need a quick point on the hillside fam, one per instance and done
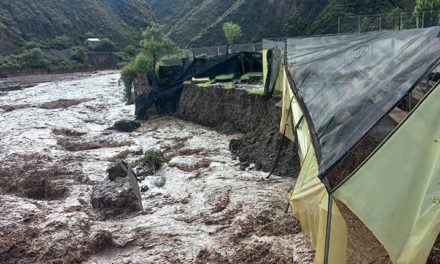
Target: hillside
(42, 20)
(199, 22)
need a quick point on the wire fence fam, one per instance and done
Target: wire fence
(392, 21)
(345, 25)
(222, 50)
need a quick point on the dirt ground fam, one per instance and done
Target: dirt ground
(208, 210)
(256, 117)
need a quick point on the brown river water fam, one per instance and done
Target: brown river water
(55, 145)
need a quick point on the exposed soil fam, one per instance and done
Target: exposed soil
(205, 209)
(63, 103)
(258, 117)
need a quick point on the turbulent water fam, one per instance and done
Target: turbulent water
(55, 145)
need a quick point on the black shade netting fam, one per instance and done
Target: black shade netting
(274, 59)
(166, 98)
(347, 84)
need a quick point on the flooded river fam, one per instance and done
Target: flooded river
(55, 145)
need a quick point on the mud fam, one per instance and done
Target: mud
(21, 82)
(255, 116)
(206, 210)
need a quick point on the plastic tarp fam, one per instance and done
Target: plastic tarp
(349, 83)
(309, 198)
(394, 192)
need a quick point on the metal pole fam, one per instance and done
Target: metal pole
(380, 22)
(339, 25)
(328, 229)
(359, 24)
(401, 21)
(423, 19)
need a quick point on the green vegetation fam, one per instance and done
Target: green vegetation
(154, 158)
(246, 77)
(64, 24)
(130, 51)
(366, 25)
(61, 42)
(429, 18)
(224, 77)
(142, 64)
(232, 32)
(156, 44)
(35, 58)
(79, 55)
(105, 45)
(190, 23)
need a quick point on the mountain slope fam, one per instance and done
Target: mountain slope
(199, 22)
(42, 20)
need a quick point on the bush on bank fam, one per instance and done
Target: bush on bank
(140, 65)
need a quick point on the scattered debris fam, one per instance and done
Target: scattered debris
(73, 144)
(63, 103)
(118, 194)
(126, 125)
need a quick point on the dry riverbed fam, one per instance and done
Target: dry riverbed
(55, 145)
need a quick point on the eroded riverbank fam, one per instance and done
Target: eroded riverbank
(55, 145)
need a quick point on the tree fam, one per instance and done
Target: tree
(366, 25)
(393, 19)
(142, 64)
(130, 51)
(427, 12)
(35, 58)
(232, 33)
(61, 42)
(156, 44)
(79, 55)
(105, 45)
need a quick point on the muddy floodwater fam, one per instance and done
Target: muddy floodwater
(55, 145)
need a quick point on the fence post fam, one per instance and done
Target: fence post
(401, 21)
(339, 26)
(359, 24)
(380, 22)
(423, 19)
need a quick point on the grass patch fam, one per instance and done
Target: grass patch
(276, 93)
(153, 157)
(224, 77)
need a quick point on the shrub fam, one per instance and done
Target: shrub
(154, 157)
(130, 51)
(105, 45)
(61, 42)
(126, 125)
(156, 43)
(140, 65)
(35, 58)
(79, 55)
